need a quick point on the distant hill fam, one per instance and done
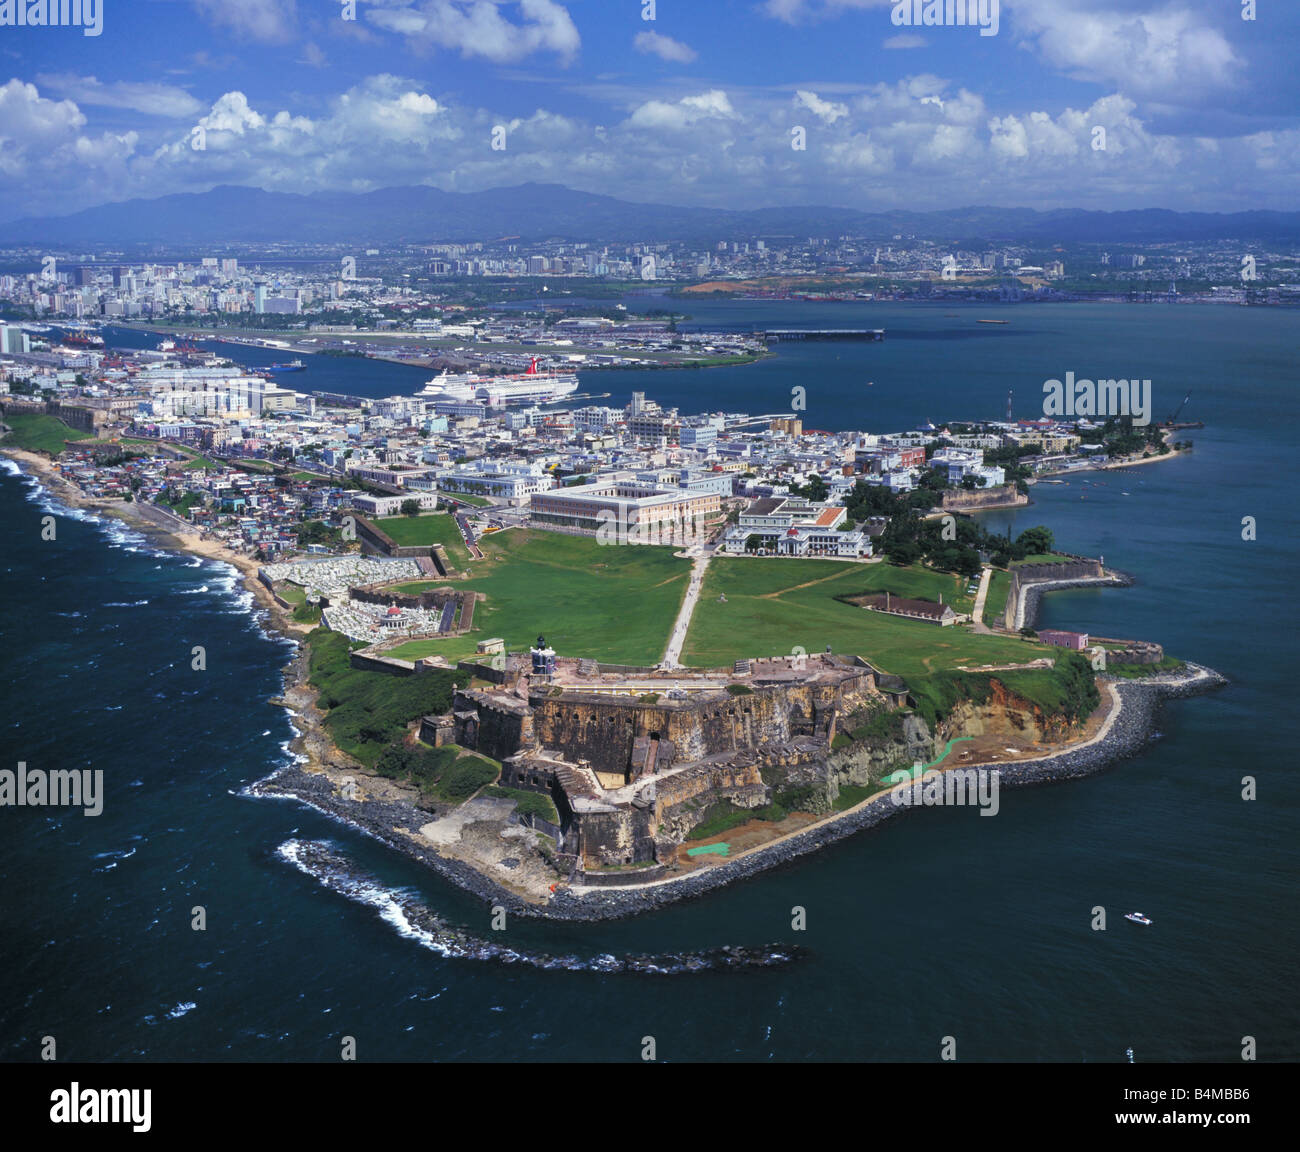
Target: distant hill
(532, 212)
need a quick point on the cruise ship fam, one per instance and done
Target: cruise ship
(529, 387)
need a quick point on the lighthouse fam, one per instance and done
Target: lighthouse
(543, 658)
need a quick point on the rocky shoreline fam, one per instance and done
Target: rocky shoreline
(1129, 731)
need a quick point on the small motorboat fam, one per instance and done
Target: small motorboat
(1137, 918)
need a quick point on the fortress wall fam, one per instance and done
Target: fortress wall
(1004, 496)
(622, 837)
(377, 594)
(377, 663)
(375, 540)
(503, 726)
(1134, 652)
(603, 730)
(1080, 568)
(682, 799)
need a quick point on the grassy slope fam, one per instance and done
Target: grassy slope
(39, 432)
(615, 604)
(368, 711)
(775, 605)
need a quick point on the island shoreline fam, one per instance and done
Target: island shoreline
(307, 779)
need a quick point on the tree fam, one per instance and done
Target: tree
(753, 542)
(410, 507)
(1035, 541)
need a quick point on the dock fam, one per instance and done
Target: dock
(874, 335)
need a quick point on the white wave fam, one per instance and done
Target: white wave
(180, 1010)
(126, 604)
(363, 892)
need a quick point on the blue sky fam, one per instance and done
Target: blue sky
(698, 106)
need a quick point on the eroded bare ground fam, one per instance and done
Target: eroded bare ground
(480, 834)
(984, 750)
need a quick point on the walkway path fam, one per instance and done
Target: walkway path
(672, 654)
(977, 613)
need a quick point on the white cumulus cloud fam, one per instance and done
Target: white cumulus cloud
(825, 110)
(480, 27)
(665, 47)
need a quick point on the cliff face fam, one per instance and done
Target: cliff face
(1004, 714)
(866, 761)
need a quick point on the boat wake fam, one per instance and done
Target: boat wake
(416, 921)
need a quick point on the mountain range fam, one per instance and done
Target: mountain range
(231, 214)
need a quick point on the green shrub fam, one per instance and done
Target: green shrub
(465, 777)
(797, 799)
(527, 803)
(369, 710)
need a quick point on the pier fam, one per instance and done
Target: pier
(873, 335)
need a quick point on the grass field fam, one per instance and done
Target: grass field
(776, 605)
(39, 432)
(609, 603)
(464, 498)
(435, 528)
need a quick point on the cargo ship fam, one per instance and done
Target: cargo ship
(529, 387)
(80, 338)
(289, 366)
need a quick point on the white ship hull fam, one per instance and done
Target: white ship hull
(499, 391)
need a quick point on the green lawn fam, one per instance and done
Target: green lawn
(995, 604)
(39, 432)
(465, 498)
(615, 604)
(294, 593)
(433, 528)
(775, 605)
(1043, 558)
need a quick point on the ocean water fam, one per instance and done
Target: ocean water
(940, 923)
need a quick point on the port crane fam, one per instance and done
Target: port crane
(1172, 421)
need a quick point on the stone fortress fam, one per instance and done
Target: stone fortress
(633, 757)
